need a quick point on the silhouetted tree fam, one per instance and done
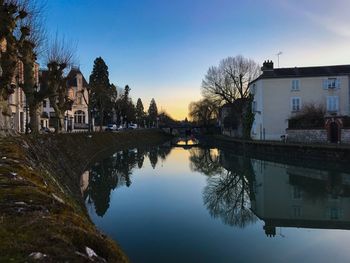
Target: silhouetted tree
(140, 112)
(153, 111)
(229, 81)
(203, 112)
(101, 90)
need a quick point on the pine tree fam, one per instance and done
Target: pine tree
(140, 114)
(101, 90)
(153, 112)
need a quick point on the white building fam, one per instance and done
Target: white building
(281, 93)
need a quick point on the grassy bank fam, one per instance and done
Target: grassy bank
(42, 213)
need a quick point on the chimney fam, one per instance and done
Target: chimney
(267, 67)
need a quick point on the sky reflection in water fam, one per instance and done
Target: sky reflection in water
(208, 205)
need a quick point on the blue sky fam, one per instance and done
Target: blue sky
(163, 48)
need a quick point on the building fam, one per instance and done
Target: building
(76, 118)
(231, 117)
(280, 93)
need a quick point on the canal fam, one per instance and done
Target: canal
(186, 204)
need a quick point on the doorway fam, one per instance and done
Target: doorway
(334, 132)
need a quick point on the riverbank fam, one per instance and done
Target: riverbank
(42, 213)
(285, 151)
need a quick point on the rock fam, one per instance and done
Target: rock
(37, 255)
(20, 203)
(13, 174)
(58, 199)
(4, 158)
(90, 252)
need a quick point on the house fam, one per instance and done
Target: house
(76, 118)
(231, 117)
(281, 93)
(17, 100)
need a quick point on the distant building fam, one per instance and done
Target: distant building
(76, 118)
(231, 117)
(280, 93)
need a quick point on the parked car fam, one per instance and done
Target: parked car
(111, 127)
(133, 126)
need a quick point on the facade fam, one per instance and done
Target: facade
(17, 100)
(281, 93)
(77, 117)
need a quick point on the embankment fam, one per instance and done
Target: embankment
(42, 214)
(321, 153)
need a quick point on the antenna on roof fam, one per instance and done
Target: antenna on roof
(278, 57)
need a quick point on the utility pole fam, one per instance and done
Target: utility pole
(278, 57)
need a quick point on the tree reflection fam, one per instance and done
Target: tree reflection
(229, 189)
(205, 161)
(116, 171)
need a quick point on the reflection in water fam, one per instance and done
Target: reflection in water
(292, 196)
(115, 171)
(239, 190)
(229, 193)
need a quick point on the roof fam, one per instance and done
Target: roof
(71, 78)
(321, 71)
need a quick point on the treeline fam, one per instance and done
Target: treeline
(23, 40)
(108, 104)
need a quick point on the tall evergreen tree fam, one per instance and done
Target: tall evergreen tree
(153, 111)
(101, 90)
(140, 113)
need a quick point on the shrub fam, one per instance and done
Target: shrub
(310, 117)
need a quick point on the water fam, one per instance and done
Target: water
(208, 205)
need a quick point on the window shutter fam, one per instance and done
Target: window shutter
(328, 103)
(325, 84)
(336, 102)
(338, 84)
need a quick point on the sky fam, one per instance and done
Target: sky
(162, 49)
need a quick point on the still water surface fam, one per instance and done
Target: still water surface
(207, 205)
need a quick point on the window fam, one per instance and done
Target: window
(332, 103)
(44, 103)
(296, 104)
(295, 85)
(79, 117)
(296, 192)
(331, 83)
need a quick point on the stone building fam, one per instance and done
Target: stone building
(76, 118)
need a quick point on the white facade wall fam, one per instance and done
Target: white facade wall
(274, 102)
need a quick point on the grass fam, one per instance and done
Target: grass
(41, 208)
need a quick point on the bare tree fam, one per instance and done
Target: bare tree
(60, 57)
(203, 111)
(229, 81)
(21, 37)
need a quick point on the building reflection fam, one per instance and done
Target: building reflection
(281, 195)
(292, 196)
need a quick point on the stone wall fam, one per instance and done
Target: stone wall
(316, 136)
(307, 136)
(345, 135)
